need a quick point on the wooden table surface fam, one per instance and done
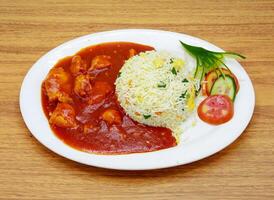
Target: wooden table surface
(28, 170)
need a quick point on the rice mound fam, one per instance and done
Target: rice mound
(157, 88)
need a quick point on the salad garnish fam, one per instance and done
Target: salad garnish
(209, 60)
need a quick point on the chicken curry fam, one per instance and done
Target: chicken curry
(78, 98)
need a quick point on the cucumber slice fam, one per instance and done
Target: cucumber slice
(226, 86)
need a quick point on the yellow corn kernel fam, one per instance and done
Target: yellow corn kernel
(191, 99)
(158, 62)
(178, 64)
(140, 99)
(130, 83)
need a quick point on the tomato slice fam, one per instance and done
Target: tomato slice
(216, 109)
(212, 76)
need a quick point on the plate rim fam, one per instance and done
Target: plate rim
(161, 165)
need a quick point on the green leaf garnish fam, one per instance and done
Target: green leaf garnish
(173, 70)
(208, 60)
(185, 81)
(147, 116)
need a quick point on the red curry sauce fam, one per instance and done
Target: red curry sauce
(83, 124)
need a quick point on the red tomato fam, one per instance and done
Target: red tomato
(216, 109)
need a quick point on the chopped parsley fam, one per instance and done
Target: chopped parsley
(171, 60)
(183, 95)
(119, 74)
(185, 81)
(147, 116)
(161, 84)
(174, 71)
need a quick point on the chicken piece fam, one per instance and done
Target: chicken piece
(90, 128)
(100, 90)
(57, 85)
(132, 52)
(82, 85)
(78, 66)
(99, 62)
(112, 116)
(63, 116)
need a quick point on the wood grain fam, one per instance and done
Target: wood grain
(244, 170)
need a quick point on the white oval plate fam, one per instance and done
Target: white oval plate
(197, 142)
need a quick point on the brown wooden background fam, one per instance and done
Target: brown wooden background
(244, 170)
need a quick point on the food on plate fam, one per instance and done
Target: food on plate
(112, 116)
(78, 65)
(79, 99)
(224, 85)
(57, 86)
(207, 61)
(63, 116)
(157, 88)
(216, 109)
(122, 97)
(212, 76)
(82, 85)
(219, 84)
(99, 62)
(100, 90)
